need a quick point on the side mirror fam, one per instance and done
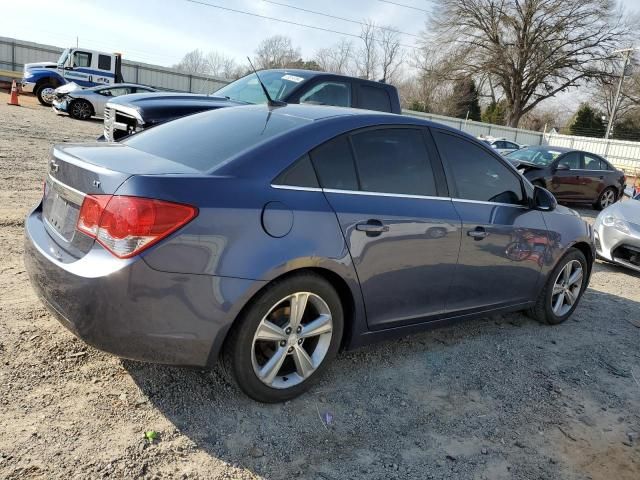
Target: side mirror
(562, 166)
(543, 199)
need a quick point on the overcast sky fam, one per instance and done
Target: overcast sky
(162, 31)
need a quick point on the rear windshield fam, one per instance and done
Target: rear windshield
(205, 141)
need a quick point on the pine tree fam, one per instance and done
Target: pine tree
(588, 122)
(465, 100)
(496, 113)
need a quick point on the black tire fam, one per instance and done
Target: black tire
(80, 109)
(238, 351)
(42, 92)
(543, 311)
(604, 197)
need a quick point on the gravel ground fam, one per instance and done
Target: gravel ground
(496, 398)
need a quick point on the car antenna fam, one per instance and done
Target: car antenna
(271, 102)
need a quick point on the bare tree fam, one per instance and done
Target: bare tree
(192, 63)
(391, 52)
(222, 66)
(367, 54)
(533, 49)
(336, 59)
(276, 52)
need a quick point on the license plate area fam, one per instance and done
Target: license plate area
(61, 209)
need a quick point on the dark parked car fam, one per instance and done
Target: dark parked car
(571, 175)
(125, 116)
(275, 236)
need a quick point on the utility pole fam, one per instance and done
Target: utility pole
(627, 56)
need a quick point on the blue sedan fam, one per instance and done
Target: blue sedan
(273, 237)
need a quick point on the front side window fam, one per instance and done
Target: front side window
(477, 174)
(393, 160)
(115, 92)
(334, 164)
(81, 59)
(571, 160)
(329, 93)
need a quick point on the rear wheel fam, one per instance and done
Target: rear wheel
(45, 94)
(563, 290)
(607, 197)
(80, 109)
(285, 339)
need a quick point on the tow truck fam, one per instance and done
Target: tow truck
(87, 68)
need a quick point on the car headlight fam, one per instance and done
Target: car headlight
(28, 76)
(617, 223)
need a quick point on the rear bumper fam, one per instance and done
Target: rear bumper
(128, 309)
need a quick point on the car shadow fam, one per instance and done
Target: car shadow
(408, 402)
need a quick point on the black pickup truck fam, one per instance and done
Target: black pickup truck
(129, 114)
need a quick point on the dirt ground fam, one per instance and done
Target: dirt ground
(497, 398)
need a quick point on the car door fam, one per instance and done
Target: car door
(106, 94)
(503, 240)
(388, 191)
(593, 175)
(566, 182)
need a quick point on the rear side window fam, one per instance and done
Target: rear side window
(205, 141)
(334, 164)
(393, 160)
(477, 174)
(329, 93)
(104, 62)
(592, 162)
(300, 174)
(571, 160)
(374, 98)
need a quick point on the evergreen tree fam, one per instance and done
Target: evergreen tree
(465, 100)
(496, 113)
(588, 123)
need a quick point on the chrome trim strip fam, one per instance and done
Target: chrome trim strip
(381, 194)
(464, 200)
(72, 194)
(291, 187)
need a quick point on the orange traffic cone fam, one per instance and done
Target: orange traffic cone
(14, 95)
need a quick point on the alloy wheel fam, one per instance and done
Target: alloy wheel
(81, 110)
(47, 94)
(608, 198)
(566, 288)
(292, 340)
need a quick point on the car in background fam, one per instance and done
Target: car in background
(617, 234)
(84, 103)
(571, 175)
(502, 145)
(125, 116)
(274, 236)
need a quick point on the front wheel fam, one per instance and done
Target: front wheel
(285, 338)
(45, 94)
(607, 197)
(563, 290)
(80, 109)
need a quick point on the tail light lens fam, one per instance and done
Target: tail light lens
(128, 225)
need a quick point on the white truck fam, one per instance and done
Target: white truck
(87, 68)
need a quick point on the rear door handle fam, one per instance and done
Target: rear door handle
(478, 233)
(372, 227)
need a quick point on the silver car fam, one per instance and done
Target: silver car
(83, 104)
(617, 234)
(501, 145)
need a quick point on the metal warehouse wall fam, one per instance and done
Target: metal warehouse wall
(15, 53)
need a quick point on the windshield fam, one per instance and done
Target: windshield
(537, 155)
(63, 57)
(248, 89)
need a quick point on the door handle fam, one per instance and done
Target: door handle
(372, 227)
(478, 233)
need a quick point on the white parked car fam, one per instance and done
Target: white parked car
(84, 103)
(502, 145)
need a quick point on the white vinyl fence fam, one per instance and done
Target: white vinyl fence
(623, 154)
(15, 53)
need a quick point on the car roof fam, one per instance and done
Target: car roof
(120, 85)
(308, 74)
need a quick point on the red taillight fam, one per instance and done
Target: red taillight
(128, 225)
